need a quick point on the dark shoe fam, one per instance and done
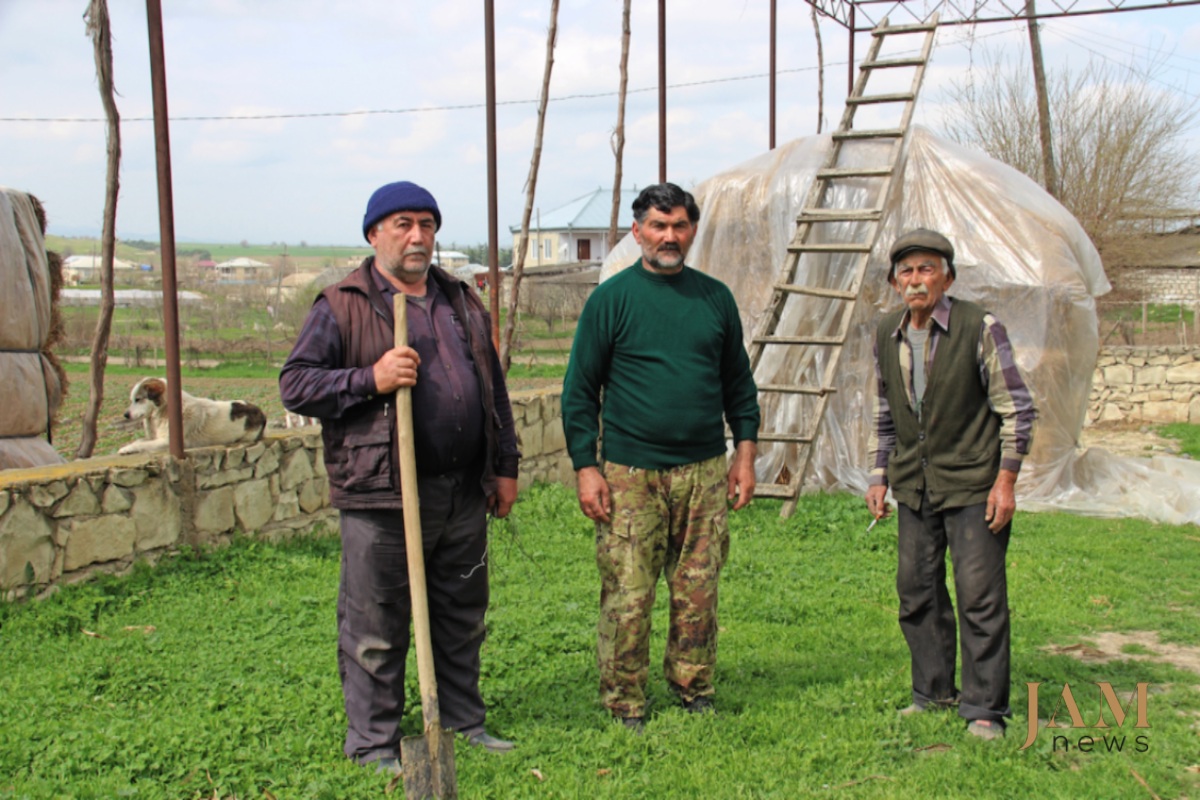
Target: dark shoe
(986, 729)
(635, 724)
(934, 705)
(382, 763)
(482, 738)
(700, 705)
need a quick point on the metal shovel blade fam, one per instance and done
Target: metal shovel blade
(429, 774)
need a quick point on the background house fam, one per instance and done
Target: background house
(244, 270)
(575, 232)
(86, 269)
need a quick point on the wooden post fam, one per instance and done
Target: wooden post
(1049, 170)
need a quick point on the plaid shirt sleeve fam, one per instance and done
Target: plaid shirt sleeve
(312, 381)
(1008, 396)
(881, 436)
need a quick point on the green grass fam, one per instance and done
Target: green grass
(1187, 435)
(234, 690)
(1155, 312)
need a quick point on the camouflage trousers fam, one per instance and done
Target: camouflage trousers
(670, 521)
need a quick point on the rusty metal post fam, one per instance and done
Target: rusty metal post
(662, 91)
(489, 48)
(166, 225)
(771, 137)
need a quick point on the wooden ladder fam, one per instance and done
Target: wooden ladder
(833, 242)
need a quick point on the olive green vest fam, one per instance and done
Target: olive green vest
(953, 450)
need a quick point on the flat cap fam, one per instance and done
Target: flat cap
(926, 240)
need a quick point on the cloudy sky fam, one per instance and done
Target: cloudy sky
(286, 115)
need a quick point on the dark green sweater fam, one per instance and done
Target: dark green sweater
(667, 351)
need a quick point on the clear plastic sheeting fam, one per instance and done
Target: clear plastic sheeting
(30, 392)
(1019, 254)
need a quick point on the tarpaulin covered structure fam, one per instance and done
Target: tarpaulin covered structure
(31, 390)
(1020, 254)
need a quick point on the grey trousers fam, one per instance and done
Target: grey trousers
(927, 616)
(374, 609)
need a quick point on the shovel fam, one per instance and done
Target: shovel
(428, 759)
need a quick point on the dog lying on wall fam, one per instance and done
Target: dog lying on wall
(205, 422)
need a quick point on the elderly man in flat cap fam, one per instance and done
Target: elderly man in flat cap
(953, 421)
(345, 370)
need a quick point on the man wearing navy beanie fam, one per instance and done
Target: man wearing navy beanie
(345, 370)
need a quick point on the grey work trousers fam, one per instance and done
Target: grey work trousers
(927, 615)
(374, 609)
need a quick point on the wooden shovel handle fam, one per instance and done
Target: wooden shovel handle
(413, 543)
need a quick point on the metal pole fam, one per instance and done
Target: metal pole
(850, 65)
(662, 91)
(771, 141)
(166, 226)
(489, 38)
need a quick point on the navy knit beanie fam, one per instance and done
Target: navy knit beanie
(399, 196)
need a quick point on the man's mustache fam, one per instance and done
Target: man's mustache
(416, 250)
(669, 246)
(915, 291)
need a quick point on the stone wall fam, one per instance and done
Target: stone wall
(1146, 384)
(61, 523)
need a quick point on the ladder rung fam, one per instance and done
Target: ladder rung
(839, 214)
(783, 388)
(889, 63)
(784, 436)
(916, 27)
(901, 97)
(816, 291)
(773, 490)
(844, 247)
(827, 341)
(883, 133)
(853, 172)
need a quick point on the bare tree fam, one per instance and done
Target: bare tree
(618, 137)
(97, 26)
(510, 324)
(1118, 142)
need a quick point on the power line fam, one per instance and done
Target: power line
(416, 110)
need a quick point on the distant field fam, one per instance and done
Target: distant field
(79, 245)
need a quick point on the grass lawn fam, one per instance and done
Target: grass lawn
(1187, 435)
(213, 675)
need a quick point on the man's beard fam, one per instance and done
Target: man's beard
(407, 274)
(666, 260)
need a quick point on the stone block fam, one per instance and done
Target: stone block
(1158, 396)
(291, 443)
(205, 460)
(1118, 374)
(1186, 373)
(234, 458)
(1153, 376)
(1165, 412)
(1111, 413)
(553, 438)
(255, 451)
(214, 511)
(224, 477)
(1104, 361)
(295, 469)
(4, 501)
(1138, 397)
(81, 502)
(1194, 411)
(115, 500)
(313, 495)
(26, 537)
(157, 514)
(253, 504)
(1136, 361)
(267, 463)
(97, 540)
(128, 477)
(288, 506)
(44, 495)
(531, 440)
(1159, 360)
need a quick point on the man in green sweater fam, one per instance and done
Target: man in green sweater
(664, 344)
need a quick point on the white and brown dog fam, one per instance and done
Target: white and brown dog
(205, 422)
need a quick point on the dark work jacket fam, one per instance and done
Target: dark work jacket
(953, 450)
(361, 447)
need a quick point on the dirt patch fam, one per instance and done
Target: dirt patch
(1110, 646)
(1132, 439)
